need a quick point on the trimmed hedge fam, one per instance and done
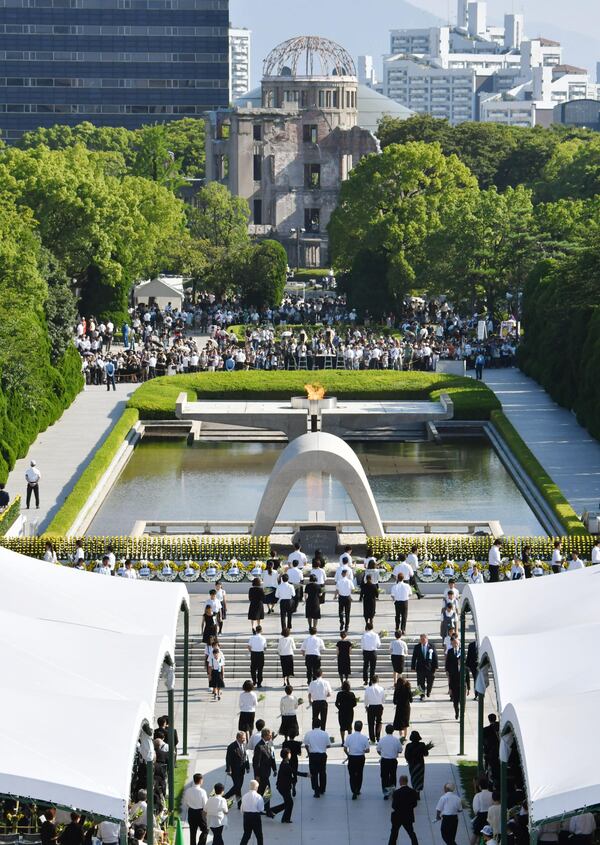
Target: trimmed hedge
(468, 547)
(92, 474)
(9, 515)
(472, 399)
(536, 472)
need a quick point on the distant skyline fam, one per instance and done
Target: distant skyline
(575, 23)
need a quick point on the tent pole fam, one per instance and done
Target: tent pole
(186, 658)
(150, 801)
(503, 802)
(462, 680)
(123, 834)
(480, 707)
(171, 703)
(533, 836)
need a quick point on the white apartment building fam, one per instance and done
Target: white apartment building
(427, 89)
(239, 62)
(366, 72)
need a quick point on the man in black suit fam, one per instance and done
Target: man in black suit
(404, 801)
(453, 672)
(491, 746)
(472, 664)
(236, 766)
(424, 662)
(286, 781)
(263, 764)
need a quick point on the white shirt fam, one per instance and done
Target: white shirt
(595, 554)
(494, 556)
(317, 741)
(374, 694)
(482, 801)
(312, 645)
(285, 591)
(583, 824)
(412, 560)
(248, 702)
(129, 573)
(370, 641)
(319, 689)
(476, 578)
(399, 647)
(288, 705)
(257, 642)
(299, 556)
(349, 558)
(270, 579)
(449, 804)
(319, 574)
(401, 591)
(557, 556)
(252, 802)
(32, 475)
(345, 587)
(109, 831)
(286, 646)
(342, 568)
(389, 747)
(295, 575)
(357, 744)
(216, 810)
(404, 568)
(195, 798)
(575, 564)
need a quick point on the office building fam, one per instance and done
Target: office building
(111, 62)
(239, 62)
(427, 89)
(585, 114)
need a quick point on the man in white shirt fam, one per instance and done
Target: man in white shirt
(343, 566)
(403, 568)
(344, 587)
(319, 691)
(298, 556)
(109, 833)
(494, 561)
(482, 801)
(582, 827)
(374, 700)
(317, 742)
(575, 563)
(112, 561)
(32, 477)
(257, 646)
(401, 592)
(311, 648)
(346, 556)
(252, 808)
(596, 552)
(356, 747)
(369, 644)
(129, 571)
(285, 593)
(138, 814)
(296, 577)
(194, 801)
(412, 559)
(447, 809)
(388, 748)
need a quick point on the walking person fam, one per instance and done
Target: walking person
(368, 595)
(345, 703)
(248, 703)
(472, 664)
(216, 811)
(369, 643)
(288, 708)
(398, 651)
(194, 801)
(257, 645)
(557, 558)
(388, 748)
(270, 582)
(221, 596)
(447, 809)
(286, 594)
(404, 801)
(263, 764)
(449, 619)
(236, 766)
(453, 671)
(285, 783)
(412, 559)
(356, 747)
(317, 742)
(425, 663)
(311, 648)
(415, 752)
(32, 477)
(495, 561)
(374, 701)
(479, 365)
(401, 593)
(109, 369)
(402, 700)
(526, 560)
(256, 606)
(343, 648)
(252, 808)
(296, 578)
(286, 648)
(319, 690)
(216, 664)
(312, 602)
(343, 591)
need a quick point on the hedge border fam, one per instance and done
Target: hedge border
(90, 477)
(551, 492)
(10, 515)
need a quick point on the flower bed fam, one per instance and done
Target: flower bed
(9, 515)
(475, 548)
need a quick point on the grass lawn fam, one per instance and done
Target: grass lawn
(180, 780)
(467, 770)
(472, 399)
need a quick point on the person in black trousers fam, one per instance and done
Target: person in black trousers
(472, 664)
(404, 801)
(236, 766)
(424, 662)
(286, 781)
(453, 671)
(263, 764)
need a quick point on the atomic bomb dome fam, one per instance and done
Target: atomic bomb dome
(309, 56)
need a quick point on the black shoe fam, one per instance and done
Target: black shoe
(270, 815)
(286, 821)
(354, 796)
(317, 795)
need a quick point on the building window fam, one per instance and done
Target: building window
(312, 219)
(257, 213)
(257, 168)
(257, 132)
(312, 175)
(309, 133)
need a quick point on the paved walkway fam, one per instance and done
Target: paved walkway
(212, 726)
(568, 453)
(63, 450)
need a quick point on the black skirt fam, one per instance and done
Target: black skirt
(289, 726)
(246, 722)
(216, 679)
(287, 665)
(398, 663)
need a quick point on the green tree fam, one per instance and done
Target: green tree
(264, 275)
(186, 138)
(154, 159)
(219, 218)
(60, 307)
(572, 172)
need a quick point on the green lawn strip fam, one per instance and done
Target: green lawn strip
(92, 474)
(467, 770)
(180, 780)
(9, 515)
(473, 400)
(538, 475)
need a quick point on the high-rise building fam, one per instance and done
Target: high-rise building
(112, 62)
(366, 72)
(239, 62)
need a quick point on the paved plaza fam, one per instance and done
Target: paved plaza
(213, 726)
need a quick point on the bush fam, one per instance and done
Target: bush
(9, 515)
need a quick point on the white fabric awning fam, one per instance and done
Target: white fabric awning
(84, 654)
(539, 636)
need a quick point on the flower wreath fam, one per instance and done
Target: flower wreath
(189, 572)
(167, 571)
(210, 570)
(234, 571)
(428, 572)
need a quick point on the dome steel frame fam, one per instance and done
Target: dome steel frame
(309, 56)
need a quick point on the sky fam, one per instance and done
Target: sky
(362, 27)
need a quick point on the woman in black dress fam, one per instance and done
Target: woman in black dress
(415, 753)
(402, 700)
(343, 648)
(256, 597)
(312, 604)
(209, 625)
(368, 596)
(526, 560)
(345, 703)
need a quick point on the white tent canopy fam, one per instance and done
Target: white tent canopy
(85, 652)
(161, 290)
(540, 635)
